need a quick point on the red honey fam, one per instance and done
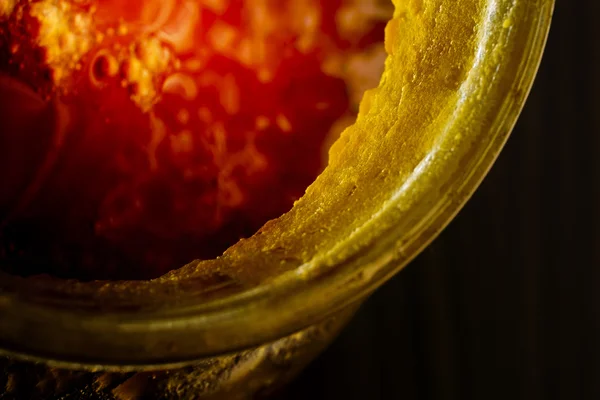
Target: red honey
(138, 136)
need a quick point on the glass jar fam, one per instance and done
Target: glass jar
(240, 325)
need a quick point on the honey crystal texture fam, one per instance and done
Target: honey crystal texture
(186, 124)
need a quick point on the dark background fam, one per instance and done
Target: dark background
(506, 303)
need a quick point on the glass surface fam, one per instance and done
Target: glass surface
(457, 79)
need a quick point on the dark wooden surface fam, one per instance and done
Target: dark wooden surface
(506, 304)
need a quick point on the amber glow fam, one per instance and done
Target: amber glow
(145, 134)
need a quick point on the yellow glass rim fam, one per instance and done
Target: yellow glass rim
(469, 134)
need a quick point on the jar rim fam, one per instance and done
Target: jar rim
(508, 54)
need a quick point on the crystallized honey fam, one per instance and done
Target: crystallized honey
(137, 136)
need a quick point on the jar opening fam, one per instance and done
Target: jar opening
(142, 135)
